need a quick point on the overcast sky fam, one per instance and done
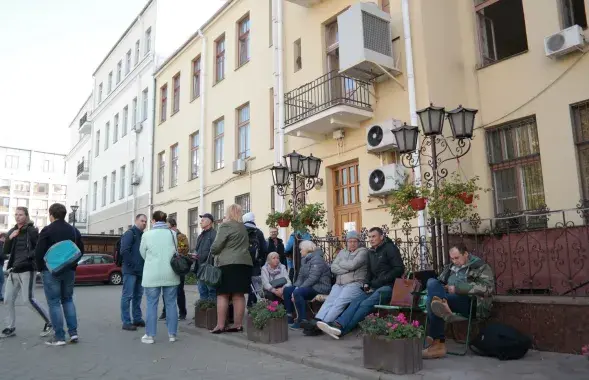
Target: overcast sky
(50, 48)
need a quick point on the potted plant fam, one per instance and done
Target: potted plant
(406, 201)
(267, 323)
(454, 198)
(585, 351)
(280, 219)
(205, 314)
(310, 217)
(392, 344)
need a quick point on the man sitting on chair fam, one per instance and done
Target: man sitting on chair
(451, 293)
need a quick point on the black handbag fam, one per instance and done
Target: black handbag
(278, 283)
(208, 273)
(180, 264)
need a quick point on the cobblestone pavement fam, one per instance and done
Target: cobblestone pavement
(107, 352)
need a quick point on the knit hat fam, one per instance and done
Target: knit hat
(249, 217)
(352, 235)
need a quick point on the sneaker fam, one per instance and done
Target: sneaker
(139, 324)
(290, 320)
(7, 332)
(162, 317)
(295, 326)
(74, 339)
(147, 339)
(129, 327)
(182, 317)
(55, 342)
(47, 329)
(172, 338)
(330, 330)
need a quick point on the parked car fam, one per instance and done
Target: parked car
(97, 267)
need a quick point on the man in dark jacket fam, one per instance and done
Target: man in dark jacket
(385, 264)
(275, 244)
(203, 251)
(258, 251)
(59, 290)
(20, 245)
(132, 274)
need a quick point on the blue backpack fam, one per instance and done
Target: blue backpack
(62, 256)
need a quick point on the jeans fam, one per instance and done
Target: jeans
(181, 299)
(301, 295)
(15, 284)
(458, 304)
(59, 291)
(132, 292)
(1, 282)
(362, 306)
(206, 292)
(170, 293)
(339, 297)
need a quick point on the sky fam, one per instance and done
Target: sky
(50, 48)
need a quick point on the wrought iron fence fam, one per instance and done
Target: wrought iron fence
(329, 90)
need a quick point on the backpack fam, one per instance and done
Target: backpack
(502, 342)
(62, 256)
(254, 249)
(118, 256)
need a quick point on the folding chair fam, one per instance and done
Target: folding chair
(257, 288)
(400, 308)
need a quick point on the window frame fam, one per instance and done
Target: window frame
(243, 124)
(115, 134)
(272, 119)
(176, 93)
(123, 181)
(245, 201)
(563, 17)
(128, 62)
(145, 104)
(193, 227)
(97, 144)
(174, 165)
(113, 186)
(218, 164)
(137, 52)
(119, 72)
(220, 59)
(298, 55)
(147, 41)
(110, 88)
(161, 171)
(163, 102)
(104, 189)
(194, 155)
(95, 196)
(107, 135)
(125, 125)
(581, 144)
(218, 210)
(243, 40)
(131, 175)
(196, 76)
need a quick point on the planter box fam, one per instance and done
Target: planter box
(206, 319)
(400, 357)
(275, 331)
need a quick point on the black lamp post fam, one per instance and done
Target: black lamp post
(74, 210)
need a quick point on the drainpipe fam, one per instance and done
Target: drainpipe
(277, 32)
(203, 62)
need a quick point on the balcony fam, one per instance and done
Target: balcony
(305, 3)
(83, 173)
(85, 126)
(329, 103)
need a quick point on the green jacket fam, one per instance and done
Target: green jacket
(475, 278)
(231, 244)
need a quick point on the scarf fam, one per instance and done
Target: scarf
(160, 225)
(273, 272)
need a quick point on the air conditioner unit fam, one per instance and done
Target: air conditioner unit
(239, 166)
(564, 42)
(138, 127)
(365, 43)
(380, 138)
(135, 179)
(385, 179)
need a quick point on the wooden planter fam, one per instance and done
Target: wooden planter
(206, 319)
(417, 204)
(275, 331)
(400, 357)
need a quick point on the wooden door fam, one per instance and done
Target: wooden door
(346, 195)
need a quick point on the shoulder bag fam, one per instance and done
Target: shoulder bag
(208, 273)
(180, 264)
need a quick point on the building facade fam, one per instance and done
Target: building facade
(32, 179)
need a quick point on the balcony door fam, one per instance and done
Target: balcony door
(346, 195)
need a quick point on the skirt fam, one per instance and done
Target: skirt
(235, 279)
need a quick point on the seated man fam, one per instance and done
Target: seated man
(466, 276)
(384, 266)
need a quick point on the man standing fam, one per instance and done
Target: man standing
(59, 290)
(258, 251)
(132, 274)
(182, 250)
(203, 250)
(21, 243)
(275, 244)
(2, 240)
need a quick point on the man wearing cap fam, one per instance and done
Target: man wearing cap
(203, 250)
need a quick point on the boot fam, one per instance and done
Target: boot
(437, 350)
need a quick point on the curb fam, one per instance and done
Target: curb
(310, 361)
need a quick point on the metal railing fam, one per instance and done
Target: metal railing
(82, 167)
(83, 119)
(327, 91)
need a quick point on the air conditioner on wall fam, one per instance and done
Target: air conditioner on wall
(564, 42)
(135, 179)
(239, 166)
(385, 179)
(380, 138)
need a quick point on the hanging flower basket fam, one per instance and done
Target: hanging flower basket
(418, 204)
(283, 222)
(281, 219)
(466, 198)
(308, 222)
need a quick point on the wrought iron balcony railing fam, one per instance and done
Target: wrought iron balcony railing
(83, 119)
(82, 167)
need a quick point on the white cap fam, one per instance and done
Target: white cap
(249, 217)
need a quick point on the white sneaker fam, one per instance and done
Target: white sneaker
(329, 330)
(55, 342)
(74, 339)
(47, 330)
(147, 339)
(172, 338)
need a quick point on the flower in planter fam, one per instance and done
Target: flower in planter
(263, 311)
(206, 304)
(585, 350)
(310, 217)
(391, 327)
(275, 219)
(404, 199)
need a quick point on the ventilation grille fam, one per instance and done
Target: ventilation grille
(556, 42)
(377, 34)
(377, 180)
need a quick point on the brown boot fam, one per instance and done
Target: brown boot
(436, 351)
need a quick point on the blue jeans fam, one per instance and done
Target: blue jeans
(1, 282)
(458, 304)
(59, 291)
(301, 296)
(153, 296)
(132, 291)
(339, 297)
(362, 306)
(206, 292)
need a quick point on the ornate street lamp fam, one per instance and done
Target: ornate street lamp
(406, 137)
(279, 175)
(311, 166)
(293, 162)
(462, 122)
(432, 120)
(74, 210)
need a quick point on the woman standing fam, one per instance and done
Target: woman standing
(274, 278)
(231, 246)
(158, 245)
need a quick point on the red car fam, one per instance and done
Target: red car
(97, 267)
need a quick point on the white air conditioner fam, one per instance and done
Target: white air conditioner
(365, 43)
(380, 138)
(385, 179)
(239, 166)
(135, 179)
(138, 127)
(564, 42)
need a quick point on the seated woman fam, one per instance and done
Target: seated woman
(466, 276)
(314, 278)
(274, 278)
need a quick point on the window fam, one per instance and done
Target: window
(219, 127)
(123, 182)
(580, 115)
(243, 41)
(161, 167)
(243, 132)
(128, 62)
(106, 134)
(132, 173)
(272, 132)
(113, 182)
(271, 22)
(137, 52)
(144, 107)
(103, 191)
(385, 5)
(163, 102)
(502, 29)
(194, 160)
(110, 82)
(244, 201)
(94, 196)
(176, 95)
(119, 71)
(47, 166)
(514, 158)
(40, 189)
(174, 216)
(147, 41)
(97, 147)
(115, 132)
(272, 198)
(125, 121)
(134, 115)
(298, 59)
(572, 12)
(192, 227)
(100, 93)
(11, 162)
(121, 231)
(220, 59)
(196, 77)
(218, 213)
(174, 165)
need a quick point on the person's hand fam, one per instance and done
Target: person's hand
(14, 234)
(451, 289)
(366, 287)
(279, 293)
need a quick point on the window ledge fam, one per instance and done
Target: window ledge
(481, 66)
(219, 81)
(194, 98)
(243, 64)
(216, 170)
(161, 122)
(175, 112)
(193, 178)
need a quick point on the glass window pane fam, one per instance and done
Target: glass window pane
(506, 191)
(337, 197)
(353, 195)
(346, 196)
(345, 176)
(353, 174)
(533, 186)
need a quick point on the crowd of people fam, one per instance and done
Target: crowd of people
(251, 267)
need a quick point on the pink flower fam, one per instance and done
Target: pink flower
(415, 324)
(585, 350)
(274, 303)
(389, 324)
(271, 308)
(393, 327)
(401, 318)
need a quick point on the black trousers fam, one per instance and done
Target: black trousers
(181, 299)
